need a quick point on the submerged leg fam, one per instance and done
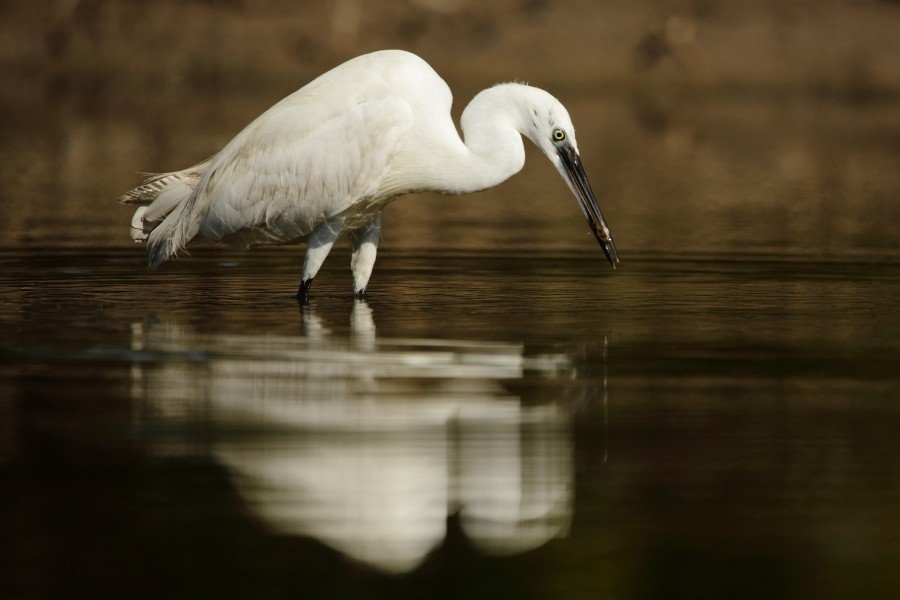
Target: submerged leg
(303, 290)
(318, 246)
(365, 247)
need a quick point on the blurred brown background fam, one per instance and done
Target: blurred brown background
(703, 124)
(825, 46)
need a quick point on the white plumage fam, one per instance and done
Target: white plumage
(327, 158)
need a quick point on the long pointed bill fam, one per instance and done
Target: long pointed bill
(578, 182)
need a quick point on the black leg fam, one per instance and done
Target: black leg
(361, 294)
(303, 292)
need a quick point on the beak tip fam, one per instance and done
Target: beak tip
(609, 249)
(613, 253)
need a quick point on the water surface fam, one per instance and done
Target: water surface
(535, 424)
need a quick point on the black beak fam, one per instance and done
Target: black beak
(581, 187)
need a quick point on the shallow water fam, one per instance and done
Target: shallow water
(534, 425)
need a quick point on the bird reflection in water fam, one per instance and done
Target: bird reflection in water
(363, 443)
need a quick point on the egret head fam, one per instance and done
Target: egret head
(546, 122)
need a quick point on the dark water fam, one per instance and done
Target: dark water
(486, 425)
(506, 416)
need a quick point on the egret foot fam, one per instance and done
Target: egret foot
(303, 292)
(361, 294)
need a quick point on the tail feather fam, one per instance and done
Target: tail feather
(170, 237)
(152, 187)
(163, 218)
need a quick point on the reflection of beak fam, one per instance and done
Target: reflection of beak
(581, 187)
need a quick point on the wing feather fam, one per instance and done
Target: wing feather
(286, 182)
(299, 164)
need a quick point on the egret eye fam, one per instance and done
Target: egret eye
(558, 135)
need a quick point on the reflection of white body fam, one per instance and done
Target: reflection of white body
(367, 445)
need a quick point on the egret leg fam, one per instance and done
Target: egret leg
(365, 248)
(303, 291)
(318, 246)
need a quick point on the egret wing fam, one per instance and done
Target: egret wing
(296, 166)
(285, 177)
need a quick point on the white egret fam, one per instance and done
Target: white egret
(330, 156)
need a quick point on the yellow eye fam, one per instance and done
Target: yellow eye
(558, 135)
